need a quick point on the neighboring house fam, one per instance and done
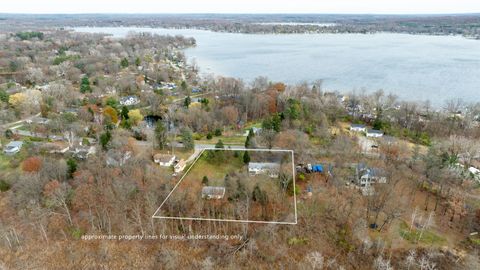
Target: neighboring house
(129, 100)
(271, 169)
(367, 176)
(358, 128)
(475, 173)
(164, 159)
(83, 152)
(213, 192)
(118, 158)
(180, 166)
(13, 147)
(38, 121)
(196, 90)
(168, 86)
(255, 130)
(374, 133)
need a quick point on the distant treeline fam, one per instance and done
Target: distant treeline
(466, 24)
(29, 35)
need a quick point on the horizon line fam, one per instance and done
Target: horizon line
(240, 13)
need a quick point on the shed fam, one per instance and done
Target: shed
(209, 192)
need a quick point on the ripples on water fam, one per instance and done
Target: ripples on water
(414, 67)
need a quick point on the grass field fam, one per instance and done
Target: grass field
(4, 162)
(227, 140)
(413, 235)
(215, 171)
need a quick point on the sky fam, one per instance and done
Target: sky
(242, 6)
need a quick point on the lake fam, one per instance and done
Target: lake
(413, 67)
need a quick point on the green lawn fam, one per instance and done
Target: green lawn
(227, 140)
(215, 171)
(4, 162)
(428, 237)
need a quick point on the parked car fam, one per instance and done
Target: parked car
(13, 147)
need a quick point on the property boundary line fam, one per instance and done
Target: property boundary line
(233, 220)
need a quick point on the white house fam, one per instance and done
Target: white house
(168, 86)
(374, 133)
(475, 173)
(180, 166)
(358, 128)
(129, 100)
(367, 176)
(271, 169)
(213, 192)
(13, 147)
(164, 159)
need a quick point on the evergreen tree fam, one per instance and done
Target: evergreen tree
(219, 145)
(124, 63)
(124, 113)
(4, 96)
(184, 85)
(246, 157)
(205, 180)
(187, 101)
(249, 141)
(71, 167)
(85, 85)
(105, 139)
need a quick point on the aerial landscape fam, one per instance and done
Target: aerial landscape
(223, 135)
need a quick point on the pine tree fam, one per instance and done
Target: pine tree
(124, 63)
(85, 85)
(124, 113)
(187, 101)
(246, 157)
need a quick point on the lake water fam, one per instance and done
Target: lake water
(413, 67)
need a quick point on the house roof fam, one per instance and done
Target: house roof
(163, 157)
(374, 131)
(474, 170)
(263, 165)
(213, 191)
(357, 126)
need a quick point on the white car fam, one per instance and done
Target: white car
(13, 147)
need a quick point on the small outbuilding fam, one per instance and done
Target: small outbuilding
(358, 128)
(374, 133)
(180, 166)
(209, 192)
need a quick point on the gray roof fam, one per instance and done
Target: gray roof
(375, 131)
(357, 126)
(263, 165)
(213, 191)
